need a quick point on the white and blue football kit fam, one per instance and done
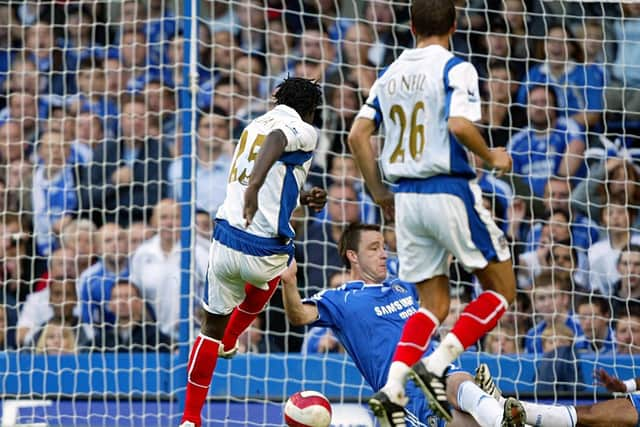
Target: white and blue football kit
(438, 203)
(368, 320)
(260, 252)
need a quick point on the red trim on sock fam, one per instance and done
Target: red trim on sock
(415, 338)
(202, 363)
(478, 318)
(254, 302)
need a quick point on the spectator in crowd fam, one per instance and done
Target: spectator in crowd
(138, 233)
(502, 340)
(92, 94)
(56, 339)
(204, 229)
(161, 104)
(23, 108)
(316, 250)
(17, 179)
(226, 97)
(255, 339)
(54, 196)
(128, 176)
(155, 267)
(578, 88)
(96, 282)
(24, 76)
(356, 66)
(628, 287)
(628, 330)
(345, 101)
(247, 74)
(617, 218)
(13, 145)
(213, 162)
(40, 44)
(391, 38)
(251, 24)
(6, 329)
(551, 302)
(556, 336)
(497, 46)
(9, 33)
(63, 300)
(611, 177)
(79, 236)
(594, 314)
(591, 35)
(89, 131)
(502, 118)
(514, 13)
(134, 328)
(225, 51)
(279, 51)
(36, 309)
(549, 146)
(622, 94)
(135, 55)
(316, 50)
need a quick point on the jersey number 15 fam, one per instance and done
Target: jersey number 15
(416, 132)
(243, 178)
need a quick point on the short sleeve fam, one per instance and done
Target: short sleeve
(371, 108)
(328, 305)
(300, 136)
(463, 93)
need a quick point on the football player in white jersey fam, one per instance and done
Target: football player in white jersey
(427, 101)
(253, 239)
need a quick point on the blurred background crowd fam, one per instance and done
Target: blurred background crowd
(91, 138)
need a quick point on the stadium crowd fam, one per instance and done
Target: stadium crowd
(91, 166)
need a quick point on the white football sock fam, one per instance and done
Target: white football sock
(486, 410)
(396, 381)
(549, 415)
(449, 350)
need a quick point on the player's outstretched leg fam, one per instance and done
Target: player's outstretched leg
(202, 363)
(254, 302)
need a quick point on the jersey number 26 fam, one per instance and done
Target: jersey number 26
(416, 132)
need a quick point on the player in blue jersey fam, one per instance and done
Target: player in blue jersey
(427, 100)
(367, 315)
(620, 411)
(253, 238)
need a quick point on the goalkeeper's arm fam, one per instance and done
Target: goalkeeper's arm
(298, 313)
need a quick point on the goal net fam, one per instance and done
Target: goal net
(118, 122)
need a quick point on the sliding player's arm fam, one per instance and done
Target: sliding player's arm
(617, 385)
(362, 151)
(298, 313)
(271, 150)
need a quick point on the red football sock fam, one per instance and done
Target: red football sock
(254, 302)
(202, 363)
(415, 337)
(479, 317)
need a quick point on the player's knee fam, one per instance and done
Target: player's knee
(213, 325)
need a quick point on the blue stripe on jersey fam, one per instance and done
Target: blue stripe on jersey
(375, 104)
(458, 159)
(205, 298)
(459, 187)
(296, 158)
(247, 243)
(635, 400)
(288, 202)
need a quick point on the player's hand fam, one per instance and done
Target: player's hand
(250, 205)
(386, 202)
(500, 160)
(315, 198)
(288, 277)
(610, 382)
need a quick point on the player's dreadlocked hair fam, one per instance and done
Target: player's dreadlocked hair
(303, 95)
